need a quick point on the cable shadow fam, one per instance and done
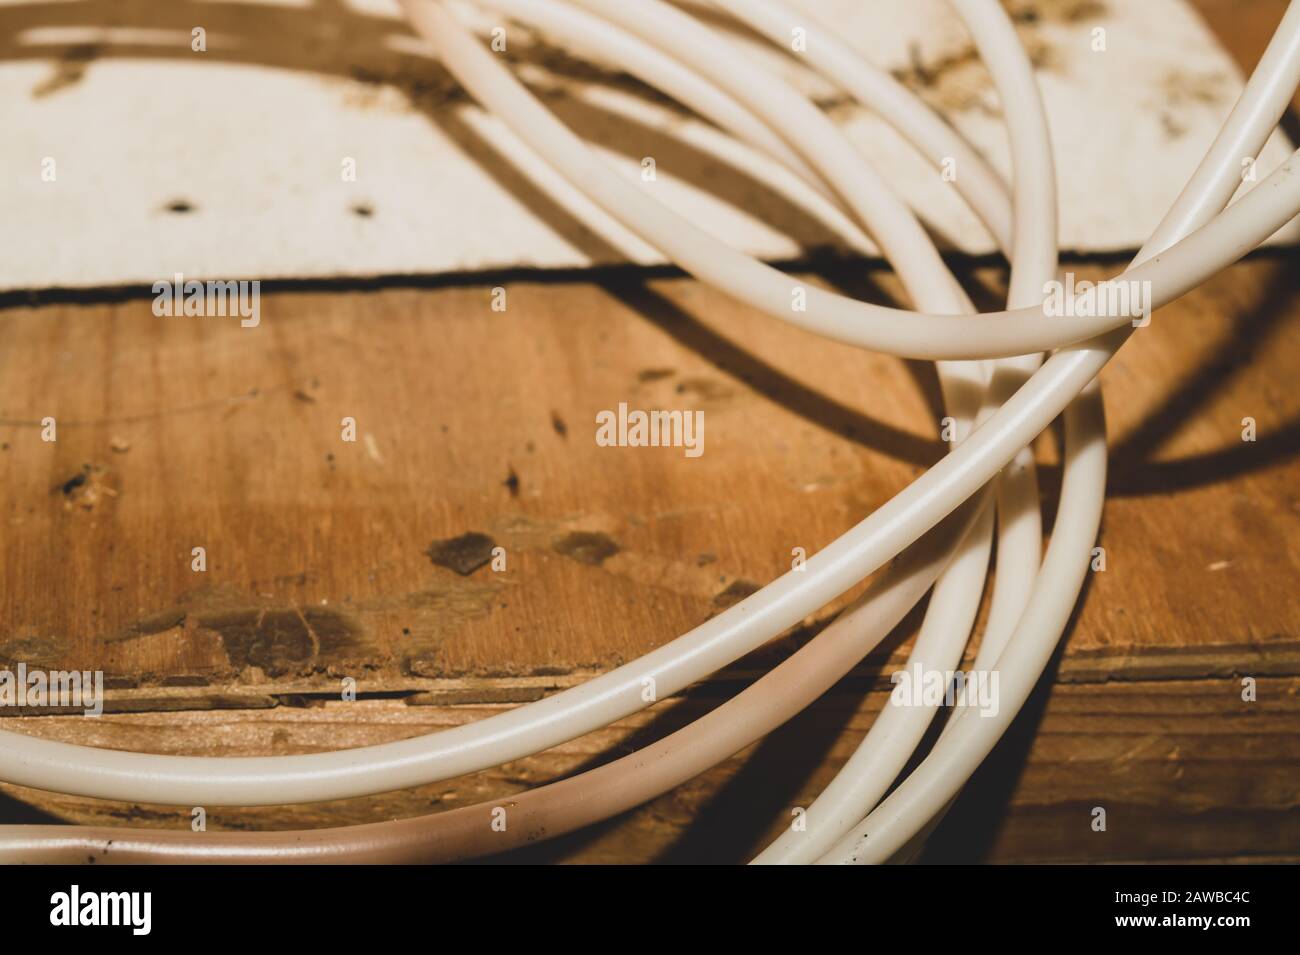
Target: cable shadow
(15, 812)
(79, 32)
(780, 763)
(1133, 475)
(664, 723)
(967, 835)
(731, 826)
(770, 382)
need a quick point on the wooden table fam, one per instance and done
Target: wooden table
(327, 559)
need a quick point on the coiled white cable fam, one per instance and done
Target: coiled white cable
(928, 789)
(283, 779)
(1214, 243)
(889, 744)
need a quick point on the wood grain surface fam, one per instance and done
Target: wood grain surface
(201, 433)
(181, 433)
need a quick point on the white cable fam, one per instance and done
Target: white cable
(609, 44)
(1034, 253)
(892, 737)
(930, 282)
(943, 634)
(929, 788)
(952, 609)
(981, 187)
(536, 726)
(895, 331)
(934, 287)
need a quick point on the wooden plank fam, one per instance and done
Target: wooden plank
(1184, 768)
(318, 566)
(475, 421)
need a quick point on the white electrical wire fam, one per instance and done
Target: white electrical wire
(956, 597)
(1034, 253)
(717, 642)
(1067, 367)
(892, 738)
(942, 293)
(936, 781)
(935, 288)
(943, 634)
